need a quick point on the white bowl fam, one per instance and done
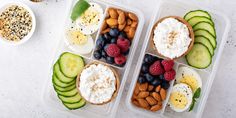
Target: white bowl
(27, 37)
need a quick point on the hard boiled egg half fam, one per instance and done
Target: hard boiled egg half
(91, 19)
(190, 77)
(180, 97)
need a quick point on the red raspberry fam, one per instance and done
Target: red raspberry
(120, 60)
(167, 64)
(156, 69)
(113, 50)
(123, 44)
(170, 75)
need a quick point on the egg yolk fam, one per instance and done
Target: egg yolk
(90, 17)
(178, 100)
(191, 81)
(78, 38)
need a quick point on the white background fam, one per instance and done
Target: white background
(24, 69)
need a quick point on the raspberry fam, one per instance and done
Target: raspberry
(120, 60)
(156, 69)
(167, 64)
(123, 44)
(113, 50)
(170, 75)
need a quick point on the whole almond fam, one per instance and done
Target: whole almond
(121, 26)
(129, 21)
(143, 87)
(131, 33)
(121, 18)
(143, 103)
(158, 88)
(143, 94)
(127, 28)
(119, 11)
(134, 24)
(151, 101)
(105, 31)
(163, 94)
(112, 22)
(133, 17)
(156, 96)
(104, 25)
(150, 87)
(136, 89)
(113, 13)
(155, 108)
(135, 102)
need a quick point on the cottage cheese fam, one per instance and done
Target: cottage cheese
(171, 38)
(97, 83)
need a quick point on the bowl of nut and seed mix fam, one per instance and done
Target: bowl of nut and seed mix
(17, 23)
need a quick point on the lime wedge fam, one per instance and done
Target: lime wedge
(80, 7)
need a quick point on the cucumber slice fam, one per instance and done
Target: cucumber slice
(70, 100)
(206, 42)
(206, 34)
(57, 82)
(59, 74)
(205, 25)
(196, 19)
(70, 93)
(199, 56)
(80, 7)
(58, 88)
(71, 65)
(197, 13)
(77, 105)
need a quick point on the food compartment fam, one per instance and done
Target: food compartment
(149, 91)
(117, 36)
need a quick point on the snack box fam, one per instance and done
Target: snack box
(180, 8)
(50, 98)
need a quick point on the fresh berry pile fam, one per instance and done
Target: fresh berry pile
(113, 46)
(156, 71)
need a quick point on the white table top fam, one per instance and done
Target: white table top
(24, 69)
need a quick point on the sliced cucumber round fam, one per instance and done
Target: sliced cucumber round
(70, 93)
(196, 19)
(59, 83)
(77, 105)
(59, 74)
(58, 88)
(206, 34)
(70, 100)
(80, 7)
(205, 25)
(206, 42)
(199, 56)
(197, 13)
(71, 65)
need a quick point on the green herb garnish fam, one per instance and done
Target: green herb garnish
(195, 96)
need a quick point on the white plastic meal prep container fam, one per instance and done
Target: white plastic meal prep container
(50, 98)
(180, 8)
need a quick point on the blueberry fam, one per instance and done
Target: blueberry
(105, 47)
(107, 37)
(149, 77)
(104, 54)
(156, 82)
(113, 40)
(162, 77)
(114, 32)
(122, 34)
(100, 43)
(149, 59)
(126, 53)
(145, 68)
(141, 79)
(97, 54)
(165, 85)
(109, 60)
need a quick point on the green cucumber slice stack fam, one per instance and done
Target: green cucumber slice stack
(65, 70)
(205, 39)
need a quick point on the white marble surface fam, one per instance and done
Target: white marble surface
(24, 69)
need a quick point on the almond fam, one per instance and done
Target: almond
(127, 28)
(112, 22)
(155, 107)
(131, 33)
(151, 101)
(135, 102)
(134, 24)
(129, 21)
(113, 13)
(119, 11)
(121, 18)
(136, 89)
(143, 87)
(156, 96)
(163, 94)
(158, 88)
(133, 17)
(150, 87)
(143, 103)
(134, 97)
(121, 26)
(143, 94)
(104, 25)
(105, 31)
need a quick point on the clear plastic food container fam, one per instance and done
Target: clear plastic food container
(50, 98)
(180, 8)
